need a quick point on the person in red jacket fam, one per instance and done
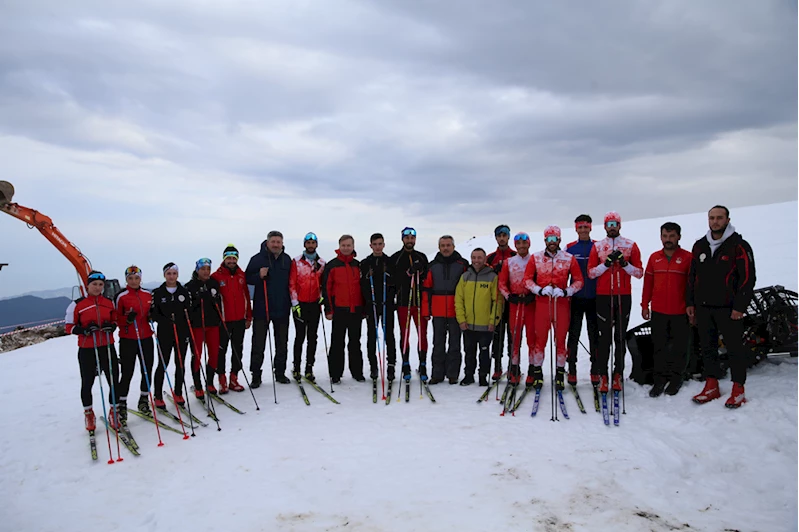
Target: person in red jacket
(236, 315)
(305, 289)
(133, 318)
(495, 260)
(613, 261)
(522, 303)
(547, 276)
(665, 280)
(93, 320)
(438, 301)
(341, 285)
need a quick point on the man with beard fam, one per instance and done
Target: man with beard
(720, 286)
(613, 261)
(438, 300)
(665, 279)
(495, 260)
(408, 268)
(305, 287)
(521, 302)
(584, 301)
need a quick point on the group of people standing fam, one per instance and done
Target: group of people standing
(484, 302)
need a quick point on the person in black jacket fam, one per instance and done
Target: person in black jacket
(443, 274)
(408, 267)
(270, 269)
(205, 321)
(721, 282)
(170, 302)
(375, 271)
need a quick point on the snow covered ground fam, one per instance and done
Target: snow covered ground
(453, 465)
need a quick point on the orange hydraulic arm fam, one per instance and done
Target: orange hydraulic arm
(45, 226)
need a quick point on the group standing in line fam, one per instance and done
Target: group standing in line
(486, 303)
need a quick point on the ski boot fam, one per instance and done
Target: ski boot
(309, 374)
(709, 392)
(281, 378)
(468, 380)
(406, 371)
(122, 412)
(256, 380)
(737, 398)
(483, 379)
(295, 373)
(497, 371)
(390, 372)
(144, 405)
(91, 421)
(113, 421)
(603, 384)
(423, 371)
(234, 383)
(210, 388)
(179, 400)
(159, 404)
(572, 377)
(199, 393)
(514, 374)
(223, 389)
(559, 374)
(618, 383)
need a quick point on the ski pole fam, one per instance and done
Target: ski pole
(327, 351)
(233, 350)
(377, 331)
(147, 380)
(169, 382)
(385, 355)
(182, 371)
(419, 328)
(621, 342)
(612, 357)
(113, 391)
(203, 371)
(271, 361)
(102, 397)
(197, 356)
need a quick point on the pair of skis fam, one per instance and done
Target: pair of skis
(425, 388)
(313, 385)
(616, 408)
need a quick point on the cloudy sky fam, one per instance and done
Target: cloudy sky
(161, 131)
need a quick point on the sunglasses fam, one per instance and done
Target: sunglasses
(551, 238)
(311, 236)
(521, 237)
(230, 254)
(203, 262)
(502, 231)
(132, 270)
(409, 232)
(611, 224)
(96, 277)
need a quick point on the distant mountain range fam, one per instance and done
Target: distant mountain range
(27, 309)
(67, 292)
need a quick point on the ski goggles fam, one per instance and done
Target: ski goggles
(96, 276)
(521, 236)
(610, 224)
(502, 230)
(551, 238)
(310, 236)
(226, 254)
(583, 225)
(202, 262)
(409, 231)
(132, 270)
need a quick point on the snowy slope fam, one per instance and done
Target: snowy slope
(453, 465)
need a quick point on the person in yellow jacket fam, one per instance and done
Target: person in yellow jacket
(478, 308)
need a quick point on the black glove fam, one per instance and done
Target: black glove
(109, 327)
(131, 317)
(316, 266)
(498, 267)
(609, 261)
(86, 331)
(622, 262)
(416, 267)
(514, 298)
(78, 330)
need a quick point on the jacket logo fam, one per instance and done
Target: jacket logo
(484, 285)
(702, 257)
(163, 300)
(725, 257)
(679, 260)
(222, 283)
(241, 281)
(181, 298)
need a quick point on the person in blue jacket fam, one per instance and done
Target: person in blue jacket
(270, 268)
(584, 301)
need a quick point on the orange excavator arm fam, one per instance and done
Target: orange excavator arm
(45, 226)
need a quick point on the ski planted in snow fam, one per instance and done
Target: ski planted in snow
(170, 415)
(302, 391)
(521, 398)
(320, 390)
(185, 412)
(126, 431)
(596, 397)
(125, 441)
(577, 398)
(221, 401)
(489, 389)
(536, 402)
(407, 391)
(374, 391)
(93, 444)
(428, 392)
(206, 405)
(616, 408)
(562, 404)
(152, 420)
(605, 415)
(388, 395)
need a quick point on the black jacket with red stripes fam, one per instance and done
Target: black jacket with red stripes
(723, 279)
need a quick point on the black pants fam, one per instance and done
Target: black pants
(87, 362)
(612, 320)
(346, 325)
(281, 334)
(471, 341)
(166, 339)
(712, 321)
(446, 348)
(236, 341)
(128, 354)
(501, 332)
(387, 333)
(670, 340)
(580, 307)
(308, 327)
